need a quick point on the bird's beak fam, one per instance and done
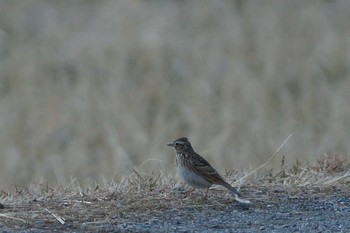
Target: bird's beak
(170, 144)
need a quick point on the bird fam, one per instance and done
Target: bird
(194, 170)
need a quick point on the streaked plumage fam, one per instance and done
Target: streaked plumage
(194, 169)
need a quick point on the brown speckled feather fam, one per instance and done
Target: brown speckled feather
(194, 169)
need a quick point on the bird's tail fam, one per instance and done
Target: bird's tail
(232, 189)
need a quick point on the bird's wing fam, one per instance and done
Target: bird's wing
(204, 169)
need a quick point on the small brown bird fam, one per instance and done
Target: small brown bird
(194, 169)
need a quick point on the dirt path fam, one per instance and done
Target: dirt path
(273, 210)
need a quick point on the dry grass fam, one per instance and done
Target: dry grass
(147, 196)
(92, 89)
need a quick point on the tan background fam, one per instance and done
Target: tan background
(93, 89)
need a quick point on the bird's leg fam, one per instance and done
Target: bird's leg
(206, 192)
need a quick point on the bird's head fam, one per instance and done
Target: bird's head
(181, 144)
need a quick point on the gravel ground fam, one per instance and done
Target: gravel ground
(273, 210)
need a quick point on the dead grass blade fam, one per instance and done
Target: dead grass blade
(253, 171)
(335, 180)
(58, 218)
(13, 218)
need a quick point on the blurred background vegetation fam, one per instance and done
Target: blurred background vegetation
(93, 89)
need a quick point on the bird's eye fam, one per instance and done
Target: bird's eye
(176, 143)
